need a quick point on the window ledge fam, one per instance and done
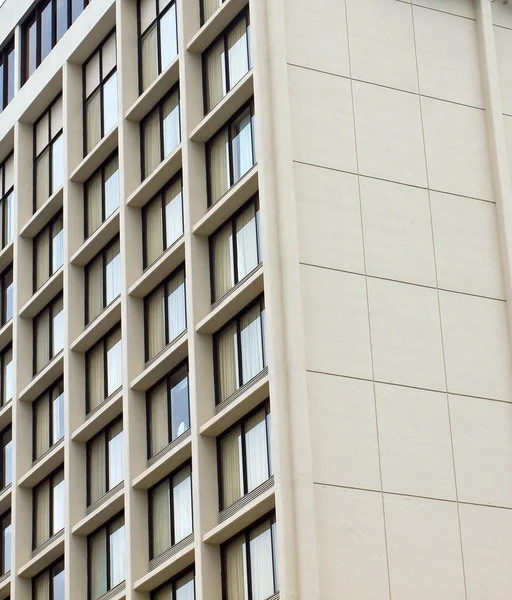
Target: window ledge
(96, 156)
(44, 557)
(6, 334)
(155, 273)
(105, 413)
(5, 585)
(95, 242)
(242, 519)
(6, 256)
(226, 108)
(118, 593)
(6, 415)
(43, 215)
(168, 569)
(43, 295)
(5, 498)
(155, 92)
(47, 375)
(158, 178)
(169, 358)
(98, 327)
(42, 467)
(215, 25)
(169, 461)
(255, 394)
(105, 510)
(231, 201)
(233, 302)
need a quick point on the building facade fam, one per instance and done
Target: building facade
(255, 299)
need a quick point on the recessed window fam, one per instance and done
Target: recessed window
(105, 461)
(6, 374)
(101, 195)
(48, 333)
(7, 201)
(106, 558)
(48, 153)
(208, 7)
(48, 251)
(100, 93)
(5, 545)
(235, 249)
(48, 507)
(6, 74)
(48, 419)
(166, 315)
(49, 584)
(226, 61)
(249, 563)
(162, 220)
(102, 280)
(160, 132)
(158, 39)
(239, 350)
(168, 413)
(244, 457)
(179, 588)
(230, 153)
(6, 296)
(170, 510)
(104, 369)
(6, 457)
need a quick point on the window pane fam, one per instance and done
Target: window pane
(149, 52)
(58, 327)
(92, 74)
(235, 570)
(46, 31)
(62, 18)
(9, 288)
(7, 458)
(93, 120)
(227, 362)
(97, 468)
(161, 518)
(58, 582)
(262, 573)
(241, 133)
(95, 376)
(169, 41)
(42, 426)
(109, 55)
(246, 242)
(42, 340)
(9, 222)
(223, 263)
(153, 233)
(147, 13)
(117, 556)
(77, 6)
(7, 546)
(111, 187)
(115, 455)
(58, 413)
(209, 7)
(215, 75)
(57, 163)
(231, 467)
(171, 124)
(155, 326)
(176, 306)
(110, 103)
(114, 362)
(8, 382)
(42, 178)
(151, 135)
(219, 171)
(256, 450)
(56, 117)
(95, 288)
(31, 50)
(173, 213)
(10, 76)
(58, 502)
(185, 587)
(42, 513)
(180, 418)
(98, 564)
(237, 53)
(182, 495)
(113, 272)
(158, 419)
(42, 243)
(252, 345)
(57, 245)
(93, 203)
(42, 586)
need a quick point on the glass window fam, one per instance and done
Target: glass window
(6, 375)
(7, 200)
(230, 154)
(6, 456)
(181, 587)
(48, 153)
(249, 563)
(162, 220)
(158, 40)
(101, 195)
(6, 74)
(48, 333)
(208, 7)
(48, 419)
(105, 463)
(170, 510)
(104, 369)
(106, 558)
(6, 296)
(166, 315)
(100, 93)
(48, 251)
(168, 410)
(49, 584)
(102, 280)
(239, 350)
(160, 132)
(226, 61)
(48, 507)
(5, 549)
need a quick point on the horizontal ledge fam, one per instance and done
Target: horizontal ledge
(43, 215)
(95, 242)
(107, 509)
(43, 295)
(42, 380)
(98, 419)
(97, 328)
(96, 157)
(43, 466)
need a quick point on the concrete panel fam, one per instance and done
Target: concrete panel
(463, 8)
(503, 42)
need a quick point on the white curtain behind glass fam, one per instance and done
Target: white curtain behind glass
(42, 586)
(246, 242)
(98, 564)
(262, 573)
(151, 130)
(173, 212)
(93, 196)
(223, 264)
(117, 554)
(155, 307)
(215, 75)
(182, 490)
(171, 123)
(236, 570)
(97, 469)
(115, 455)
(95, 288)
(95, 376)
(242, 146)
(42, 425)
(93, 118)
(238, 59)
(42, 513)
(176, 305)
(231, 464)
(43, 340)
(42, 178)
(153, 231)
(227, 362)
(251, 341)
(219, 166)
(10, 218)
(149, 47)
(42, 244)
(159, 419)
(7, 548)
(256, 450)
(161, 514)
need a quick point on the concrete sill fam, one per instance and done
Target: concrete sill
(233, 302)
(44, 558)
(6, 256)
(227, 107)
(5, 498)
(215, 25)
(6, 334)
(233, 199)
(250, 399)
(6, 415)
(97, 240)
(101, 515)
(171, 567)
(43, 215)
(155, 273)
(99, 419)
(157, 179)
(96, 156)
(155, 92)
(97, 328)
(46, 376)
(5, 586)
(43, 466)
(43, 295)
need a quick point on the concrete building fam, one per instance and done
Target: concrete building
(255, 300)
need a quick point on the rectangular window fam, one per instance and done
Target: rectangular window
(6, 375)
(235, 249)
(170, 510)
(226, 61)
(6, 456)
(239, 350)
(5, 549)
(102, 280)
(48, 419)
(168, 413)
(7, 200)
(105, 467)
(162, 221)
(249, 563)
(48, 251)
(101, 195)
(181, 587)
(48, 153)
(230, 153)
(160, 132)
(6, 74)
(100, 93)
(104, 369)
(106, 558)
(158, 39)
(48, 507)
(6, 293)
(165, 313)
(208, 7)
(49, 584)
(48, 333)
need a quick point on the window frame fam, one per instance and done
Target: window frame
(49, 478)
(3, 527)
(7, 50)
(201, 11)
(50, 307)
(101, 170)
(48, 392)
(3, 352)
(5, 431)
(3, 294)
(173, 581)
(5, 194)
(51, 570)
(48, 227)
